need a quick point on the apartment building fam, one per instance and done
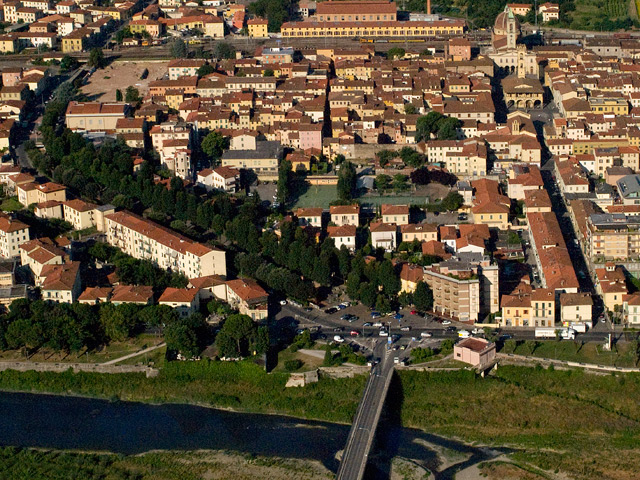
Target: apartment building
(37, 253)
(94, 116)
(613, 236)
(576, 307)
(61, 283)
(144, 239)
(29, 193)
(79, 213)
(13, 233)
(185, 301)
(464, 287)
(398, 214)
(248, 297)
(343, 235)
(345, 215)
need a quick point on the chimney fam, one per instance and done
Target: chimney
(428, 7)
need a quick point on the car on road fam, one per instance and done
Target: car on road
(338, 338)
(331, 310)
(377, 324)
(338, 329)
(367, 324)
(354, 333)
(405, 329)
(375, 315)
(398, 316)
(451, 329)
(283, 302)
(446, 322)
(383, 333)
(426, 335)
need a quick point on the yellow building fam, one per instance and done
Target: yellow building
(543, 308)
(615, 105)
(258, 28)
(516, 310)
(310, 28)
(76, 41)
(7, 44)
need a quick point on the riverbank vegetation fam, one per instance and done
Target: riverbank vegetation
(236, 385)
(541, 414)
(32, 464)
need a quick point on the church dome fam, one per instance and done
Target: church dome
(501, 25)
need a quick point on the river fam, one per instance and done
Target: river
(59, 422)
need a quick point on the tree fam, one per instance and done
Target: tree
(223, 51)
(346, 182)
(426, 124)
(385, 156)
(132, 95)
(118, 95)
(395, 52)
(178, 48)
(96, 58)
(268, 73)
(284, 177)
(213, 145)
(276, 11)
(410, 109)
(382, 182)
(182, 336)
(262, 340)
(400, 182)
(448, 129)
(452, 202)
(423, 297)
(241, 330)
(205, 70)
(68, 63)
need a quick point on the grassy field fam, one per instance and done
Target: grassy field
(31, 464)
(541, 414)
(621, 356)
(317, 196)
(11, 204)
(109, 352)
(241, 386)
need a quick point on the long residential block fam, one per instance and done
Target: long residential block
(147, 240)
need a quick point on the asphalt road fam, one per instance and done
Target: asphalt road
(363, 429)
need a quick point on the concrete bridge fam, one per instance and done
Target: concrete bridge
(363, 429)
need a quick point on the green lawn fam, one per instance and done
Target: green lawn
(11, 204)
(583, 425)
(317, 196)
(242, 386)
(621, 356)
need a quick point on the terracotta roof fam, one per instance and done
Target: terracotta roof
(79, 205)
(343, 231)
(412, 273)
(8, 225)
(475, 344)
(344, 209)
(60, 277)
(248, 290)
(132, 294)
(95, 293)
(178, 295)
(207, 281)
(395, 209)
(309, 212)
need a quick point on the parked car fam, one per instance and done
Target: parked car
(283, 302)
(377, 324)
(414, 312)
(331, 310)
(375, 315)
(451, 329)
(346, 304)
(405, 329)
(367, 324)
(426, 335)
(338, 338)
(338, 329)
(340, 307)
(355, 333)
(383, 333)
(446, 322)
(398, 316)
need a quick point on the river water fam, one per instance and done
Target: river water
(50, 421)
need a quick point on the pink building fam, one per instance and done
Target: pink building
(475, 351)
(310, 136)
